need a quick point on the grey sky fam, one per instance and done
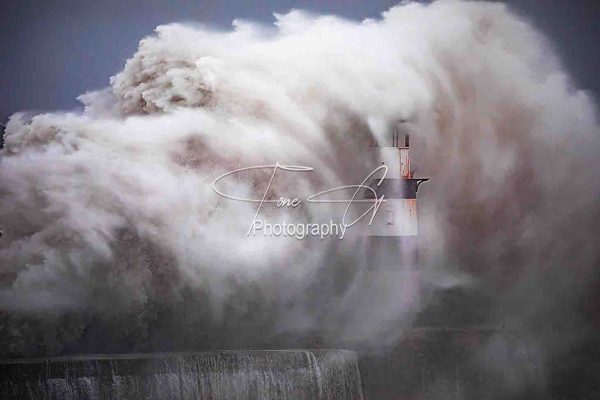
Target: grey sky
(53, 51)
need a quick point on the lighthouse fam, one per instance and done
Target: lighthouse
(398, 214)
(392, 235)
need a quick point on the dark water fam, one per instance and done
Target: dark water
(452, 363)
(289, 374)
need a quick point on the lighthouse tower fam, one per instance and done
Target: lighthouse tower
(397, 217)
(392, 235)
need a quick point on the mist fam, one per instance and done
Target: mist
(114, 240)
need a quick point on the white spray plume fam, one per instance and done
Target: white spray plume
(111, 224)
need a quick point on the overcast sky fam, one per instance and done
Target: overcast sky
(52, 51)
